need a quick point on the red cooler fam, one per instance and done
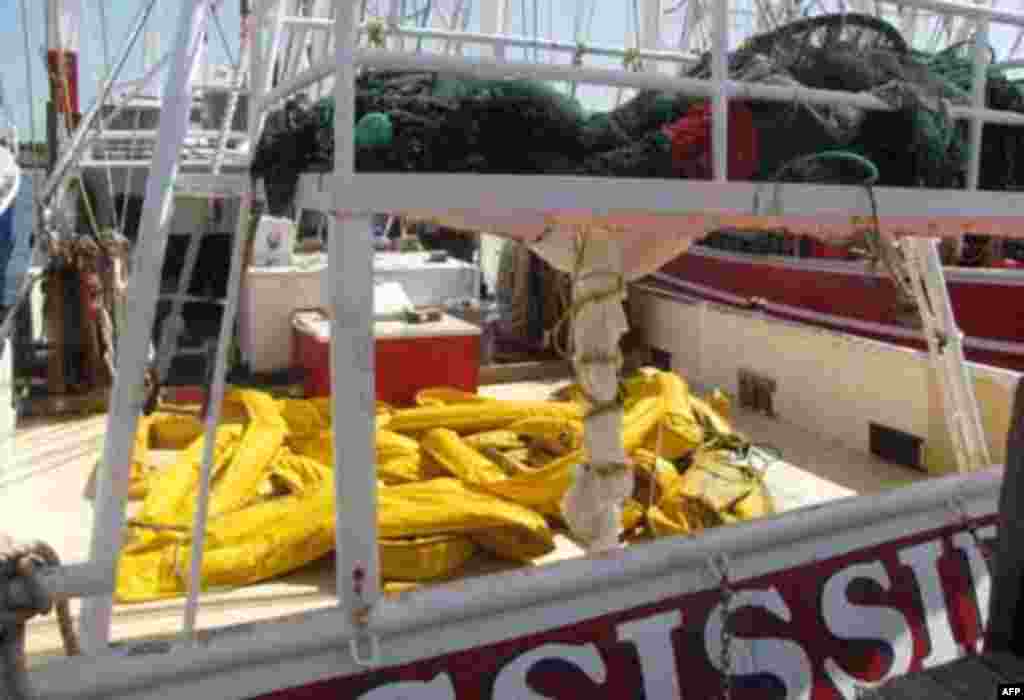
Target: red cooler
(409, 356)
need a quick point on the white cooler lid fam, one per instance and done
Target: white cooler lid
(448, 326)
(390, 301)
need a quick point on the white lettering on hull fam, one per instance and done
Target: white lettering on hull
(849, 621)
(923, 560)
(652, 637)
(782, 658)
(798, 668)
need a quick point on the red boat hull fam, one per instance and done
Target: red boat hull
(813, 632)
(846, 296)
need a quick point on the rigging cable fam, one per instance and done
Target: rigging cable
(107, 68)
(220, 33)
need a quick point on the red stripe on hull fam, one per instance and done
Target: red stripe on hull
(808, 624)
(985, 311)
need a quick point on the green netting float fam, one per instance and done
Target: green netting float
(374, 130)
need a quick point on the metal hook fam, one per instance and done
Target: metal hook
(365, 661)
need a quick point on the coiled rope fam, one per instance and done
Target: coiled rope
(22, 598)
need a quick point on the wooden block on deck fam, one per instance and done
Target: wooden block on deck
(969, 678)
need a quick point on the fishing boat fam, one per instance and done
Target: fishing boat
(842, 589)
(852, 296)
(840, 284)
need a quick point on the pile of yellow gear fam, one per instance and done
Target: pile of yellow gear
(458, 474)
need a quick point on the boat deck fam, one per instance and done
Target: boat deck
(47, 494)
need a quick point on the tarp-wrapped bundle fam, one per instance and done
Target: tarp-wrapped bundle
(460, 476)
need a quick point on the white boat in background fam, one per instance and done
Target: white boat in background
(848, 586)
(10, 171)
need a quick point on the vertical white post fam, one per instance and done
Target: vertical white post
(720, 101)
(492, 22)
(256, 62)
(299, 40)
(397, 41)
(127, 399)
(323, 44)
(350, 271)
(978, 85)
(216, 395)
(276, 45)
(592, 506)
(650, 36)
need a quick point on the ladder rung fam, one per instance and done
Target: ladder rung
(192, 352)
(192, 299)
(208, 185)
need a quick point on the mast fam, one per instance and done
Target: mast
(63, 22)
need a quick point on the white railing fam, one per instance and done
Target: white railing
(351, 250)
(355, 470)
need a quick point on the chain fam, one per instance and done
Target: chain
(720, 566)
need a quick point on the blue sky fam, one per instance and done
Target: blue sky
(556, 18)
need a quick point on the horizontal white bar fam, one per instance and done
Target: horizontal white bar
(543, 44)
(499, 594)
(75, 581)
(511, 40)
(145, 134)
(308, 22)
(492, 69)
(946, 7)
(533, 194)
(96, 163)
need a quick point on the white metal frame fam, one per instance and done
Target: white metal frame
(133, 352)
(945, 348)
(355, 196)
(364, 193)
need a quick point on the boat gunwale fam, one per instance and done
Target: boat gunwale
(327, 631)
(952, 273)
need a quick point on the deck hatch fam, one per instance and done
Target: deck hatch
(896, 446)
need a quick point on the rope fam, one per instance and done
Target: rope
(23, 599)
(580, 302)
(220, 33)
(877, 249)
